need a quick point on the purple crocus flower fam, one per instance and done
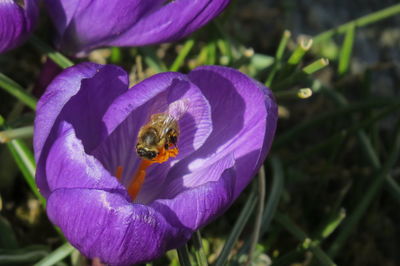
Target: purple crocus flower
(84, 25)
(86, 139)
(17, 20)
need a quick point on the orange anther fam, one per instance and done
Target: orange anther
(118, 173)
(137, 182)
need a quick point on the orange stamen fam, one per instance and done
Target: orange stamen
(137, 182)
(118, 173)
(135, 186)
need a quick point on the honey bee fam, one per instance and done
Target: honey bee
(157, 139)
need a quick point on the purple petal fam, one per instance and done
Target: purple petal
(197, 206)
(252, 114)
(94, 23)
(80, 95)
(106, 225)
(173, 21)
(85, 25)
(186, 181)
(16, 22)
(68, 166)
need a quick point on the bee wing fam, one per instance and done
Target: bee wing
(174, 112)
(169, 114)
(178, 108)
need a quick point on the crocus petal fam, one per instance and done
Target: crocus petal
(173, 21)
(85, 25)
(16, 22)
(254, 108)
(105, 225)
(90, 23)
(80, 95)
(198, 206)
(79, 170)
(252, 113)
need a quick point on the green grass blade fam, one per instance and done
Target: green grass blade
(26, 163)
(183, 255)
(307, 243)
(316, 66)
(302, 93)
(360, 22)
(152, 60)
(116, 55)
(288, 258)
(390, 184)
(294, 132)
(304, 44)
(345, 53)
(370, 194)
(332, 224)
(277, 187)
(183, 53)
(211, 53)
(259, 215)
(25, 258)
(17, 133)
(56, 256)
(278, 181)
(237, 229)
(198, 250)
(17, 91)
(57, 57)
(8, 238)
(278, 57)
(344, 133)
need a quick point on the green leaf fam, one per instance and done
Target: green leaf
(278, 57)
(316, 66)
(26, 163)
(368, 197)
(25, 257)
(183, 53)
(197, 250)
(237, 229)
(57, 57)
(56, 256)
(304, 44)
(345, 53)
(17, 91)
(360, 22)
(152, 60)
(183, 254)
(17, 133)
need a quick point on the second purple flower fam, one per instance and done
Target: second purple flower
(85, 25)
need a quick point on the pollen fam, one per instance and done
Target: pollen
(139, 177)
(164, 155)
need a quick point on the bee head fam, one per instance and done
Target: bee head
(146, 153)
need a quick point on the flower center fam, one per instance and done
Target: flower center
(156, 142)
(163, 153)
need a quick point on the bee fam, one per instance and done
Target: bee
(157, 139)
